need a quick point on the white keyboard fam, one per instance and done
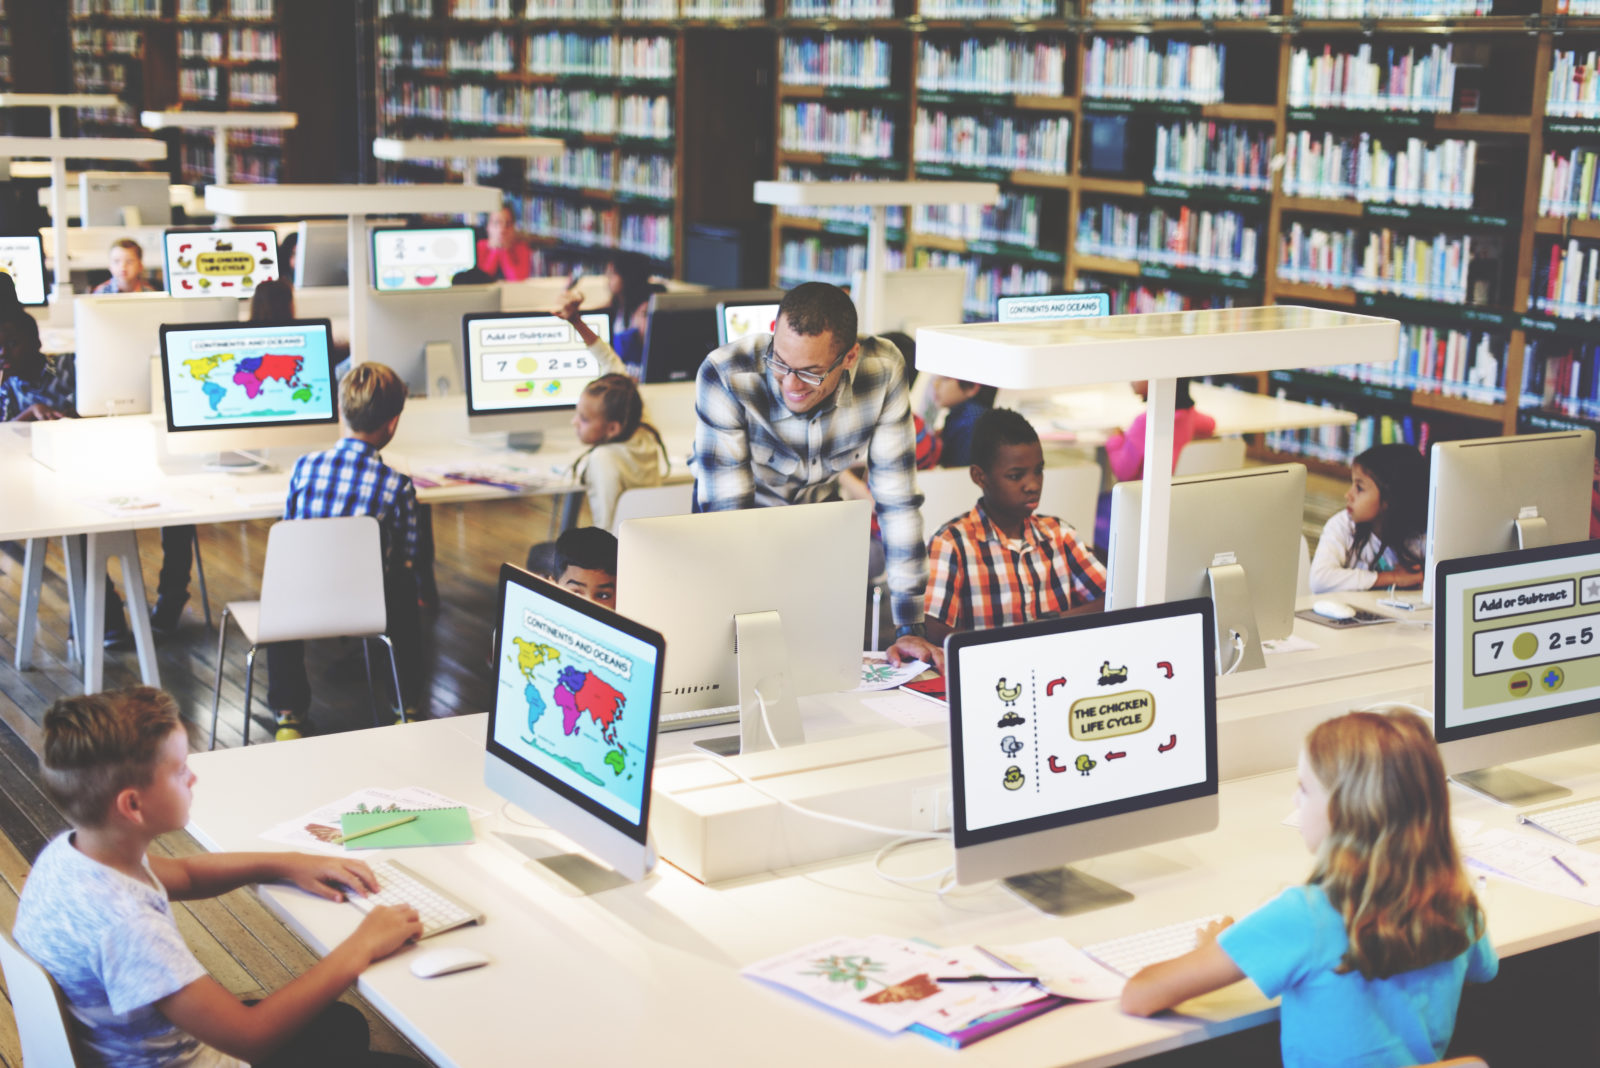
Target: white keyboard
(399, 885)
(699, 717)
(1578, 822)
(1128, 954)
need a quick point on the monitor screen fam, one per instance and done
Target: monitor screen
(741, 320)
(518, 363)
(1057, 723)
(22, 257)
(576, 701)
(421, 259)
(229, 376)
(219, 263)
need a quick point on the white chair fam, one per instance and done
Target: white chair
(40, 1008)
(1205, 455)
(651, 502)
(323, 578)
(947, 492)
(1071, 492)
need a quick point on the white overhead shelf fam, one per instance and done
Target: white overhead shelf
(212, 120)
(298, 201)
(59, 100)
(887, 194)
(398, 150)
(137, 148)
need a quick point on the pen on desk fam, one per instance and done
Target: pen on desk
(987, 979)
(408, 819)
(1562, 865)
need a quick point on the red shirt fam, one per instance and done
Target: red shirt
(513, 264)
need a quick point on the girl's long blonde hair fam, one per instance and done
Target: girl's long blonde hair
(1389, 863)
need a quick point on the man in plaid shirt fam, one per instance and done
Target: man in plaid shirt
(350, 479)
(782, 416)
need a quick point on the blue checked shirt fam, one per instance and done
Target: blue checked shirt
(751, 451)
(350, 479)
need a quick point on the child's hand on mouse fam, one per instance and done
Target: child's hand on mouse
(328, 877)
(386, 929)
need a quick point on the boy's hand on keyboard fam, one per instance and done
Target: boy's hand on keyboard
(386, 929)
(328, 877)
(1206, 935)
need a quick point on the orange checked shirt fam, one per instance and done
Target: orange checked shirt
(977, 579)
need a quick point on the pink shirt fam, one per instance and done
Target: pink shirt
(514, 263)
(1126, 450)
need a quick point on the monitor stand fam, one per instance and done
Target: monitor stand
(1532, 530)
(236, 462)
(763, 658)
(1066, 891)
(525, 440)
(1238, 643)
(1508, 787)
(578, 875)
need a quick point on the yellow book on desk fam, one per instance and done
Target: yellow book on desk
(414, 827)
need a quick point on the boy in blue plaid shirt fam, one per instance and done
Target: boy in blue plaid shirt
(351, 479)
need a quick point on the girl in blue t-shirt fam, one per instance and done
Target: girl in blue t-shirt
(1371, 953)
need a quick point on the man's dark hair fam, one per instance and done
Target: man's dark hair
(997, 427)
(814, 308)
(589, 548)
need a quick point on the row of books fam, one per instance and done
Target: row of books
(1374, 78)
(1130, 296)
(987, 282)
(125, 9)
(1219, 241)
(492, 53)
(834, 59)
(1006, 141)
(1377, 260)
(1202, 152)
(811, 259)
(1566, 280)
(481, 9)
(199, 83)
(1180, 9)
(602, 55)
(1348, 165)
(840, 9)
(577, 223)
(252, 87)
(421, 51)
(247, 42)
(607, 170)
(1030, 65)
(1443, 360)
(990, 9)
(197, 162)
(253, 9)
(854, 214)
(94, 76)
(498, 105)
(419, 9)
(1341, 444)
(1138, 68)
(1390, 9)
(1013, 220)
(196, 44)
(201, 9)
(1574, 91)
(1569, 186)
(853, 131)
(1578, 7)
(1561, 375)
(94, 39)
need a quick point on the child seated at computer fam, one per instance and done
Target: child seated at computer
(1370, 955)
(964, 404)
(1379, 538)
(95, 910)
(126, 260)
(30, 389)
(351, 479)
(582, 560)
(1001, 564)
(1125, 449)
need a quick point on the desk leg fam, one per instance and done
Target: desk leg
(126, 545)
(28, 610)
(92, 633)
(72, 549)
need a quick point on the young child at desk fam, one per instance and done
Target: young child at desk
(965, 403)
(126, 260)
(96, 914)
(583, 560)
(1000, 564)
(30, 389)
(1370, 955)
(351, 479)
(1125, 449)
(1379, 539)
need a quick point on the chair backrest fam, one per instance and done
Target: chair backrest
(947, 492)
(651, 502)
(1070, 492)
(40, 1009)
(323, 579)
(1205, 455)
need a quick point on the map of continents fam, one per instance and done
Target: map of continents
(250, 374)
(577, 693)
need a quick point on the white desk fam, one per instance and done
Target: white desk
(1087, 416)
(648, 973)
(400, 150)
(219, 123)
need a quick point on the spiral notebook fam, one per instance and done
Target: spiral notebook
(432, 827)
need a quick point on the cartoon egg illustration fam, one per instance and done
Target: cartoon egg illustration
(1013, 778)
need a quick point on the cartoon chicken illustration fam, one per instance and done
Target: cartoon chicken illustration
(1008, 694)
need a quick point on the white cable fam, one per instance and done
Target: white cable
(766, 724)
(505, 810)
(906, 880)
(1238, 651)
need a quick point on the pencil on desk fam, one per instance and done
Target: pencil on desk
(379, 827)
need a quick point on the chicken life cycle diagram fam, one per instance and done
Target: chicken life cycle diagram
(1057, 722)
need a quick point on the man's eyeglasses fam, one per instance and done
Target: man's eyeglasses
(780, 369)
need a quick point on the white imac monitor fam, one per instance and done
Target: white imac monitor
(125, 198)
(739, 622)
(572, 732)
(1077, 737)
(322, 254)
(421, 258)
(684, 330)
(402, 328)
(22, 257)
(736, 319)
(1489, 495)
(1235, 539)
(915, 297)
(219, 263)
(524, 373)
(118, 334)
(1516, 664)
(236, 386)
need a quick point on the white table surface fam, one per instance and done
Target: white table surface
(395, 148)
(1089, 414)
(213, 120)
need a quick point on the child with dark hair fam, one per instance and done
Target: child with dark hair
(1001, 564)
(583, 560)
(29, 389)
(1125, 450)
(966, 401)
(1379, 537)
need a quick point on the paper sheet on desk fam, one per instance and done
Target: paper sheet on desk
(1064, 969)
(1526, 859)
(878, 674)
(131, 505)
(317, 829)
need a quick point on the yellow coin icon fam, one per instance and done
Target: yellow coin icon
(1524, 645)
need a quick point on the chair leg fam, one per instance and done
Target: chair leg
(216, 689)
(372, 691)
(200, 570)
(249, 679)
(394, 673)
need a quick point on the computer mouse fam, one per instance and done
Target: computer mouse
(432, 963)
(1333, 610)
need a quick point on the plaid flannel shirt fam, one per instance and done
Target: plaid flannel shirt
(980, 581)
(751, 451)
(350, 479)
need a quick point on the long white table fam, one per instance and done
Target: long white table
(1089, 415)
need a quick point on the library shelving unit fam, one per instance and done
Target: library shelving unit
(662, 105)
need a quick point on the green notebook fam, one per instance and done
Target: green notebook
(433, 826)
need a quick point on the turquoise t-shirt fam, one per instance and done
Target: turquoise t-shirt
(1291, 946)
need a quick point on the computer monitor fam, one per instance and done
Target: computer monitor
(22, 257)
(421, 258)
(1489, 495)
(322, 254)
(1235, 538)
(117, 335)
(920, 296)
(737, 320)
(125, 198)
(763, 598)
(403, 327)
(684, 329)
(572, 732)
(236, 386)
(524, 373)
(1516, 664)
(219, 263)
(1053, 306)
(1076, 737)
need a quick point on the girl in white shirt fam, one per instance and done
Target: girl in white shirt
(624, 450)
(1378, 540)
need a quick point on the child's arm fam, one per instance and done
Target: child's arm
(1200, 971)
(212, 874)
(207, 1011)
(1328, 573)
